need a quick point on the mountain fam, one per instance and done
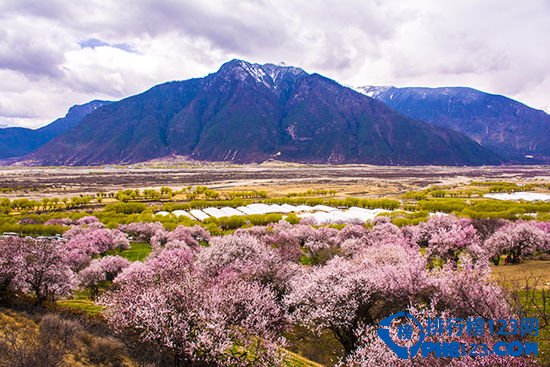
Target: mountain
(510, 128)
(251, 113)
(19, 141)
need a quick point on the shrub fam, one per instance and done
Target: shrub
(126, 208)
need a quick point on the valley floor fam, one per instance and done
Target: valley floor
(277, 178)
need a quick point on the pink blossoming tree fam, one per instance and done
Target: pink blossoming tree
(141, 231)
(517, 240)
(45, 271)
(12, 260)
(249, 259)
(182, 236)
(344, 294)
(100, 271)
(446, 237)
(85, 242)
(203, 320)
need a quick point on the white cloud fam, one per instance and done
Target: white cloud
(48, 63)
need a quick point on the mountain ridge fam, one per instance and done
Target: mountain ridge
(250, 113)
(517, 132)
(19, 141)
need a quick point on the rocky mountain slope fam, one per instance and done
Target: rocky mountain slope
(515, 131)
(18, 141)
(251, 113)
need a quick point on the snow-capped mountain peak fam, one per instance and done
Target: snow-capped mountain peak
(372, 90)
(270, 75)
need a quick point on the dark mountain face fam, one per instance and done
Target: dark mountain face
(250, 113)
(18, 141)
(513, 130)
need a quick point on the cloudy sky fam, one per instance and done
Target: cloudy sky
(57, 53)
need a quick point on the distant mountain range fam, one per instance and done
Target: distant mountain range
(18, 141)
(515, 131)
(252, 113)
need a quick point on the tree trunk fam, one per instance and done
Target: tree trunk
(347, 338)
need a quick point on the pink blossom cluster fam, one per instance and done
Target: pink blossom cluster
(344, 293)
(180, 237)
(228, 303)
(59, 222)
(246, 256)
(141, 231)
(37, 266)
(467, 291)
(355, 239)
(446, 237)
(87, 220)
(204, 316)
(100, 271)
(545, 226)
(200, 303)
(85, 242)
(348, 292)
(12, 259)
(294, 241)
(518, 239)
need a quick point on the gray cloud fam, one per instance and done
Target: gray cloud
(58, 53)
(33, 56)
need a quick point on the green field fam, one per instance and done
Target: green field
(529, 284)
(138, 251)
